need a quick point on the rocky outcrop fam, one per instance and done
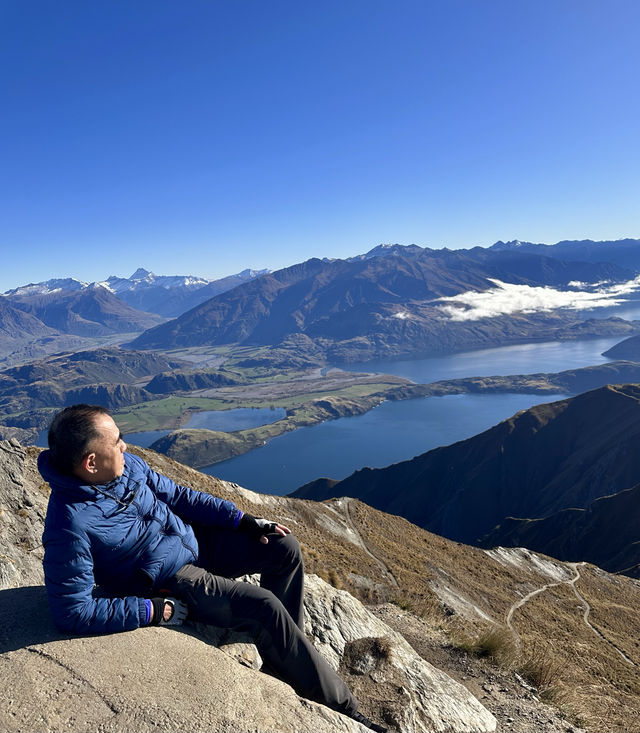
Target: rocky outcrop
(148, 680)
(418, 697)
(23, 502)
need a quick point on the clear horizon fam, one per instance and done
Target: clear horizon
(206, 138)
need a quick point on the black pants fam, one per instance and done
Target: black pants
(272, 613)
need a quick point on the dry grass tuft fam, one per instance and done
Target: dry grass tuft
(495, 643)
(331, 576)
(419, 604)
(543, 670)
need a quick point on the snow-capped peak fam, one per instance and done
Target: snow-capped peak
(49, 286)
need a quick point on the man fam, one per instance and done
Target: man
(157, 551)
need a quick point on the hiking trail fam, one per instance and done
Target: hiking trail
(583, 601)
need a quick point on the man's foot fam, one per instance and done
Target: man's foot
(363, 720)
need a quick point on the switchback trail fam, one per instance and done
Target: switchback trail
(583, 601)
(587, 611)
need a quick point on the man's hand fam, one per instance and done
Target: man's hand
(258, 528)
(168, 612)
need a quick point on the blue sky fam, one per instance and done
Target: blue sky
(206, 136)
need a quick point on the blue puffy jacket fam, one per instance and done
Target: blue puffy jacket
(127, 536)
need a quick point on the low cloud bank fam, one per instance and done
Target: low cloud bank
(506, 298)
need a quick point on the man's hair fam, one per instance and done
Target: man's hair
(70, 433)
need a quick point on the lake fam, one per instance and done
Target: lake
(550, 356)
(397, 431)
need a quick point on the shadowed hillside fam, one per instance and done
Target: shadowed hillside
(550, 457)
(607, 533)
(111, 377)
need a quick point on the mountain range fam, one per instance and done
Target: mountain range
(172, 295)
(393, 300)
(55, 315)
(622, 252)
(165, 295)
(387, 304)
(91, 311)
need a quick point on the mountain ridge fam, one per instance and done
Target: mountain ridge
(605, 532)
(378, 298)
(91, 311)
(551, 457)
(165, 295)
(624, 252)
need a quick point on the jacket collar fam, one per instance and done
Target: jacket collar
(73, 488)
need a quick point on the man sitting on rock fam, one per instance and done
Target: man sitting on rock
(158, 551)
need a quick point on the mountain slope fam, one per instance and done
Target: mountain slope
(111, 377)
(606, 533)
(378, 297)
(627, 349)
(550, 457)
(90, 311)
(24, 337)
(18, 327)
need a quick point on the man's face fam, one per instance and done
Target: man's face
(109, 451)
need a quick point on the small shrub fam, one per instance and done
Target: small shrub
(403, 603)
(381, 647)
(335, 579)
(362, 656)
(495, 643)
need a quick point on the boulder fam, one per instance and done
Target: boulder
(23, 504)
(419, 698)
(151, 679)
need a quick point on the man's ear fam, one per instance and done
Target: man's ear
(88, 463)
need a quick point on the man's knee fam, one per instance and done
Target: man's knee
(288, 549)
